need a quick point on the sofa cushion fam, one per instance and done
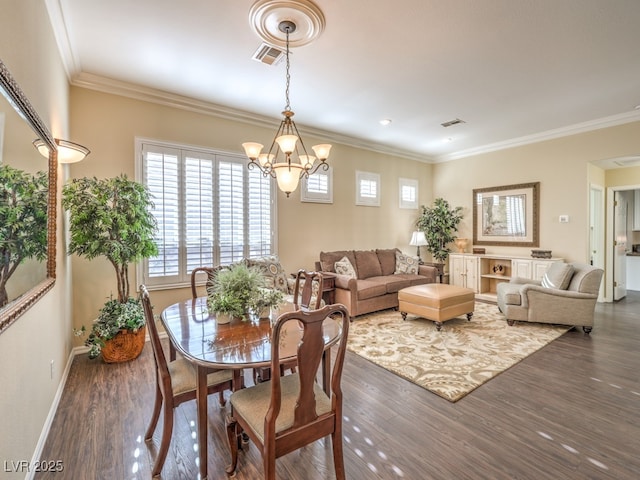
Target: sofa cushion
(413, 279)
(344, 267)
(392, 283)
(370, 289)
(387, 259)
(406, 264)
(367, 264)
(558, 276)
(274, 274)
(328, 259)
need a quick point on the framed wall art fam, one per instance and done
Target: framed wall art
(507, 215)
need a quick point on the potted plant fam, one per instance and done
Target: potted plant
(112, 218)
(23, 221)
(226, 306)
(264, 300)
(439, 224)
(234, 289)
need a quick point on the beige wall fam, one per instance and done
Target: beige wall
(108, 125)
(562, 166)
(43, 333)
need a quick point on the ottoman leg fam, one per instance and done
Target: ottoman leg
(438, 325)
(404, 315)
(469, 315)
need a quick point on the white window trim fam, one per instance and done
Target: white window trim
(408, 183)
(366, 200)
(317, 197)
(138, 144)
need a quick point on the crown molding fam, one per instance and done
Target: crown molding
(612, 121)
(138, 92)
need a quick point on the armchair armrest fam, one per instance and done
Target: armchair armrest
(548, 299)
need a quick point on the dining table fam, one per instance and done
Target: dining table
(244, 343)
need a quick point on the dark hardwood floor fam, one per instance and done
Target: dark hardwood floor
(569, 411)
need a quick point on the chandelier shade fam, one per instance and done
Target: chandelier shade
(68, 152)
(287, 143)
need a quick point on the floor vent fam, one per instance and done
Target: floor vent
(268, 54)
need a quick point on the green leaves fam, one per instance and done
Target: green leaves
(23, 220)
(439, 224)
(111, 218)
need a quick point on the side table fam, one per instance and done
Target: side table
(442, 277)
(329, 287)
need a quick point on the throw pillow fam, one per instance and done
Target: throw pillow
(558, 276)
(274, 274)
(367, 264)
(344, 267)
(406, 264)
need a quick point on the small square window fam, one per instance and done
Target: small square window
(367, 189)
(318, 188)
(408, 193)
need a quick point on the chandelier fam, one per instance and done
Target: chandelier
(288, 170)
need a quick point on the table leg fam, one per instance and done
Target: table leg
(201, 400)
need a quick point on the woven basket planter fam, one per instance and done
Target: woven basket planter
(125, 346)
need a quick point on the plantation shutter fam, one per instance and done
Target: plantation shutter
(211, 210)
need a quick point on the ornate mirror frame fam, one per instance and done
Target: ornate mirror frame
(13, 310)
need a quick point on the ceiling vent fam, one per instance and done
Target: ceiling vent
(452, 122)
(268, 54)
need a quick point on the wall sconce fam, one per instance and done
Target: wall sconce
(68, 152)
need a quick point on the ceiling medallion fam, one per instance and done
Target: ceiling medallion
(266, 16)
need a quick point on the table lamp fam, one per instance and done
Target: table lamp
(417, 240)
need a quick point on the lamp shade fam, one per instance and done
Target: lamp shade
(68, 152)
(287, 176)
(418, 239)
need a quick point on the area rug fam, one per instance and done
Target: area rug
(455, 360)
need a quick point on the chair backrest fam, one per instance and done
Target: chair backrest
(302, 296)
(309, 357)
(211, 275)
(586, 278)
(162, 370)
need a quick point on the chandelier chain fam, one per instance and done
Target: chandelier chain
(287, 107)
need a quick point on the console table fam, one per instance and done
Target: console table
(482, 273)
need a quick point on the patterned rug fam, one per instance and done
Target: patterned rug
(454, 361)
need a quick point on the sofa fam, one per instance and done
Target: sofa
(566, 295)
(368, 280)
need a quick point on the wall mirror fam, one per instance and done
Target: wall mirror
(27, 204)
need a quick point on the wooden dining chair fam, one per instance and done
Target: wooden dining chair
(175, 384)
(291, 411)
(303, 295)
(209, 271)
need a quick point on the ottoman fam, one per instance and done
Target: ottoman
(436, 301)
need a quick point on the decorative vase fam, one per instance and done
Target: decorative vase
(461, 244)
(125, 346)
(223, 318)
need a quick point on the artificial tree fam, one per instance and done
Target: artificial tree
(23, 221)
(439, 224)
(111, 218)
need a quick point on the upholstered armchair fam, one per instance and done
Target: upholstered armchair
(566, 295)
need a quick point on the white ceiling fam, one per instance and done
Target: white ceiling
(515, 71)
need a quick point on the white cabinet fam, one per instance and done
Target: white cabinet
(483, 273)
(464, 270)
(633, 272)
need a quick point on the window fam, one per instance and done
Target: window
(210, 209)
(408, 193)
(318, 187)
(367, 189)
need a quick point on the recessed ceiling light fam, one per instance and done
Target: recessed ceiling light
(385, 122)
(447, 140)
